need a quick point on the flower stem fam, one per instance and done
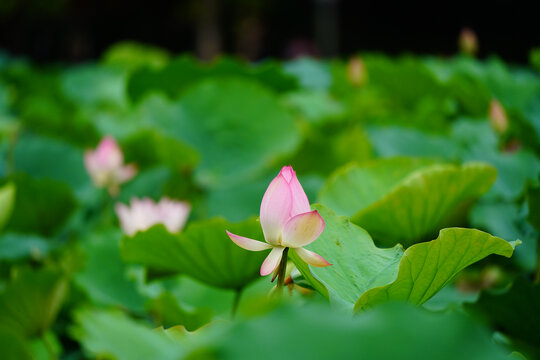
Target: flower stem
(281, 271)
(236, 301)
(48, 346)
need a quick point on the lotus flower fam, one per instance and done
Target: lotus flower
(468, 42)
(144, 213)
(106, 165)
(498, 117)
(287, 222)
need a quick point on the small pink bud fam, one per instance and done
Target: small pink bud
(497, 117)
(468, 42)
(356, 71)
(105, 165)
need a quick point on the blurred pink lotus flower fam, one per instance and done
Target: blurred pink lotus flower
(468, 42)
(144, 213)
(498, 117)
(357, 71)
(106, 166)
(287, 222)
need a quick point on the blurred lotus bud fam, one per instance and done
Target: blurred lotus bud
(105, 165)
(491, 276)
(497, 117)
(356, 71)
(144, 213)
(474, 280)
(468, 42)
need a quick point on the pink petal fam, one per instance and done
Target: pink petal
(302, 229)
(271, 261)
(247, 243)
(108, 153)
(125, 218)
(125, 173)
(275, 209)
(173, 214)
(311, 258)
(300, 202)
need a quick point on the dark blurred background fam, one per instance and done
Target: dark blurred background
(77, 30)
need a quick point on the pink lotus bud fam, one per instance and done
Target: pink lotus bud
(468, 42)
(497, 116)
(144, 213)
(105, 165)
(287, 222)
(356, 71)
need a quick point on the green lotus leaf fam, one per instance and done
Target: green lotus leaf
(203, 251)
(426, 268)
(357, 264)
(30, 302)
(404, 200)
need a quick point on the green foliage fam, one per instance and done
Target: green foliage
(13, 345)
(357, 264)
(30, 302)
(396, 153)
(514, 312)
(184, 71)
(7, 197)
(234, 124)
(403, 200)
(104, 276)
(15, 246)
(169, 313)
(319, 332)
(366, 275)
(112, 334)
(134, 56)
(41, 205)
(427, 268)
(203, 251)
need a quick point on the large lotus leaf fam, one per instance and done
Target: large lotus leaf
(41, 205)
(184, 71)
(203, 251)
(514, 313)
(354, 187)
(412, 208)
(357, 264)
(389, 141)
(95, 85)
(393, 331)
(13, 345)
(150, 148)
(113, 335)
(104, 276)
(413, 211)
(234, 124)
(30, 302)
(7, 197)
(426, 268)
(44, 157)
(168, 312)
(406, 80)
(315, 106)
(328, 147)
